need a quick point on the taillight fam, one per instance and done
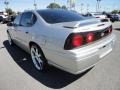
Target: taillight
(77, 40)
(89, 37)
(73, 41)
(97, 17)
(110, 29)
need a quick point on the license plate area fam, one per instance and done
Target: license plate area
(104, 50)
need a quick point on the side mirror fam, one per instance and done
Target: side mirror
(10, 24)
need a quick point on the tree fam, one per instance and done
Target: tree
(53, 5)
(64, 7)
(119, 11)
(9, 11)
(104, 12)
(114, 12)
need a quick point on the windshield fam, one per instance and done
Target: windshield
(58, 16)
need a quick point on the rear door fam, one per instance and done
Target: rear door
(13, 29)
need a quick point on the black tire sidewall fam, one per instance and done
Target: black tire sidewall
(45, 64)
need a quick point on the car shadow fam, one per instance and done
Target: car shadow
(118, 29)
(52, 78)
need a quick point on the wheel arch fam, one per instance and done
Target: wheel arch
(34, 43)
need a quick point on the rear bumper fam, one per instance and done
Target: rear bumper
(78, 60)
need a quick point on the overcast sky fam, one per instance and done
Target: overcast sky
(20, 5)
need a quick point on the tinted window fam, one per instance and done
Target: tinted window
(58, 16)
(26, 19)
(1, 17)
(17, 20)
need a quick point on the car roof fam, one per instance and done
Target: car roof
(52, 10)
(47, 10)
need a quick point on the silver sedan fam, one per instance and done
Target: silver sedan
(61, 38)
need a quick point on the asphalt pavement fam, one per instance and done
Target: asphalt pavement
(18, 73)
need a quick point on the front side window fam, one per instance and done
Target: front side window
(17, 20)
(28, 19)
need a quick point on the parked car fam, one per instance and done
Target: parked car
(111, 17)
(5, 20)
(118, 17)
(12, 18)
(98, 15)
(8, 19)
(61, 38)
(1, 19)
(115, 17)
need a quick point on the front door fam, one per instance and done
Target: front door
(25, 28)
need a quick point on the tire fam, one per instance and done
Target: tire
(10, 39)
(38, 58)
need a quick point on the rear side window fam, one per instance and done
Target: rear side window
(28, 19)
(59, 16)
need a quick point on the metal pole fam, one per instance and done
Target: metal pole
(35, 4)
(98, 6)
(81, 7)
(87, 7)
(6, 3)
(70, 4)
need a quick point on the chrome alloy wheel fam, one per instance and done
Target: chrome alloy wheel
(37, 58)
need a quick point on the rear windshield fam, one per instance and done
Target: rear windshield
(59, 16)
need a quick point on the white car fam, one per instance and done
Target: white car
(97, 15)
(2, 17)
(118, 17)
(61, 38)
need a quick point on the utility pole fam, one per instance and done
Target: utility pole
(88, 8)
(82, 7)
(54, 1)
(6, 4)
(6, 8)
(35, 4)
(98, 6)
(71, 4)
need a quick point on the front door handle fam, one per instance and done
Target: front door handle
(26, 32)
